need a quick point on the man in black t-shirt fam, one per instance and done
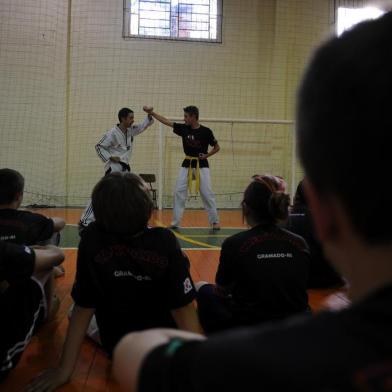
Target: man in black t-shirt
(196, 139)
(343, 117)
(23, 273)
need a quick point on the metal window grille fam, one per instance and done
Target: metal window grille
(194, 20)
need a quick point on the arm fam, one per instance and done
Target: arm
(213, 151)
(186, 318)
(102, 148)
(58, 224)
(137, 129)
(51, 379)
(131, 351)
(163, 120)
(47, 257)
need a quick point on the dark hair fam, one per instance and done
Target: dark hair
(123, 113)
(193, 110)
(344, 119)
(263, 201)
(121, 203)
(11, 183)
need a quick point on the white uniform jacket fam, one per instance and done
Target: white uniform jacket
(119, 144)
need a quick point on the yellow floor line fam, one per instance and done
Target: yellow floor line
(209, 235)
(187, 239)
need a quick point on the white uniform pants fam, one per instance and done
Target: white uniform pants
(206, 193)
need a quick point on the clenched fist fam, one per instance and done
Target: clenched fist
(148, 109)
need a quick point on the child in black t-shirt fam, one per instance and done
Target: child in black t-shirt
(24, 301)
(262, 272)
(131, 276)
(24, 227)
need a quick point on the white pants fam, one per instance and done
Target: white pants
(206, 193)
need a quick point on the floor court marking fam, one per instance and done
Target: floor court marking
(187, 239)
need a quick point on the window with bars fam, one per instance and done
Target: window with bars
(194, 20)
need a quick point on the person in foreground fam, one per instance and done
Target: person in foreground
(131, 276)
(343, 115)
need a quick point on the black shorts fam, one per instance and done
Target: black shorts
(23, 308)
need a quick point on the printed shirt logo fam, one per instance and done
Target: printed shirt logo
(187, 286)
(263, 256)
(27, 250)
(122, 274)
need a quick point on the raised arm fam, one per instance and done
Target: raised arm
(163, 120)
(136, 129)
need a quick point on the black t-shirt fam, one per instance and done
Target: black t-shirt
(195, 142)
(16, 261)
(322, 274)
(133, 284)
(265, 269)
(350, 350)
(24, 227)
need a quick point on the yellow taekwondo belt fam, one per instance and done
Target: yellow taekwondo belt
(197, 177)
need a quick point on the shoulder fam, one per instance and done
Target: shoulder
(28, 216)
(236, 239)
(295, 239)
(179, 126)
(205, 129)
(91, 233)
(112, 131)
(160, 233)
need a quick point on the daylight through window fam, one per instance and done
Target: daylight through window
(198, 20)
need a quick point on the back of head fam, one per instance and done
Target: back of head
(122, 204)
(343, 119)
(263, 200)
(11, 185)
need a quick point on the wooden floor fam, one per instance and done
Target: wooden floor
(92, 372)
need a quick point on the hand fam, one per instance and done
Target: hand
(48, 381)
(148, 109)
(203, 156)
(115, 159)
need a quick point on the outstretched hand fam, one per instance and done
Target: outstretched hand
(148, 109)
